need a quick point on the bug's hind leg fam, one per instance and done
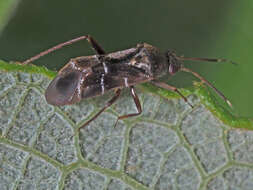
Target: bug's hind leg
(171, 88)
(137, 103)
(95, 45)
(109, 103)
(91, 40)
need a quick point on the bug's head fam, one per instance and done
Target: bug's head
(174, 63)
(64, 88)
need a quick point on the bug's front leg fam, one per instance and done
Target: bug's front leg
(91, 40)
(137, 103)
(171, 88)
(208, 84)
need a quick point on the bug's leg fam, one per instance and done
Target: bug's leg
(109, 103)
(171, 88)
(208, 83)
(93, 43)
(138, 106)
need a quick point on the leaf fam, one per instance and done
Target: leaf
(170, 146)
(7, 8)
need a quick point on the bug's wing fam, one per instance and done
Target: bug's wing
(62, 90)
(118, 77)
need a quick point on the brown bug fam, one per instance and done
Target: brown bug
(89, 76)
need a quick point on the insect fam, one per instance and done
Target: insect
(89, 76)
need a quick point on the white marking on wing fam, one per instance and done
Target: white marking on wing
(126, 83)
(102, 84)
(105, 67)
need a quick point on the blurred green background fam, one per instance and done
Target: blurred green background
(221, 29)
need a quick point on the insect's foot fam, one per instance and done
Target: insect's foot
(116, 123)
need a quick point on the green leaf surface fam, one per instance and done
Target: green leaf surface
(170, 146)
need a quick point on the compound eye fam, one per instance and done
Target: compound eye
(62, 89)
(174, 67)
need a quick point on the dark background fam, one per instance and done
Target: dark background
(221, 29)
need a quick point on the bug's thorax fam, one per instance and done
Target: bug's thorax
(151, 59)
